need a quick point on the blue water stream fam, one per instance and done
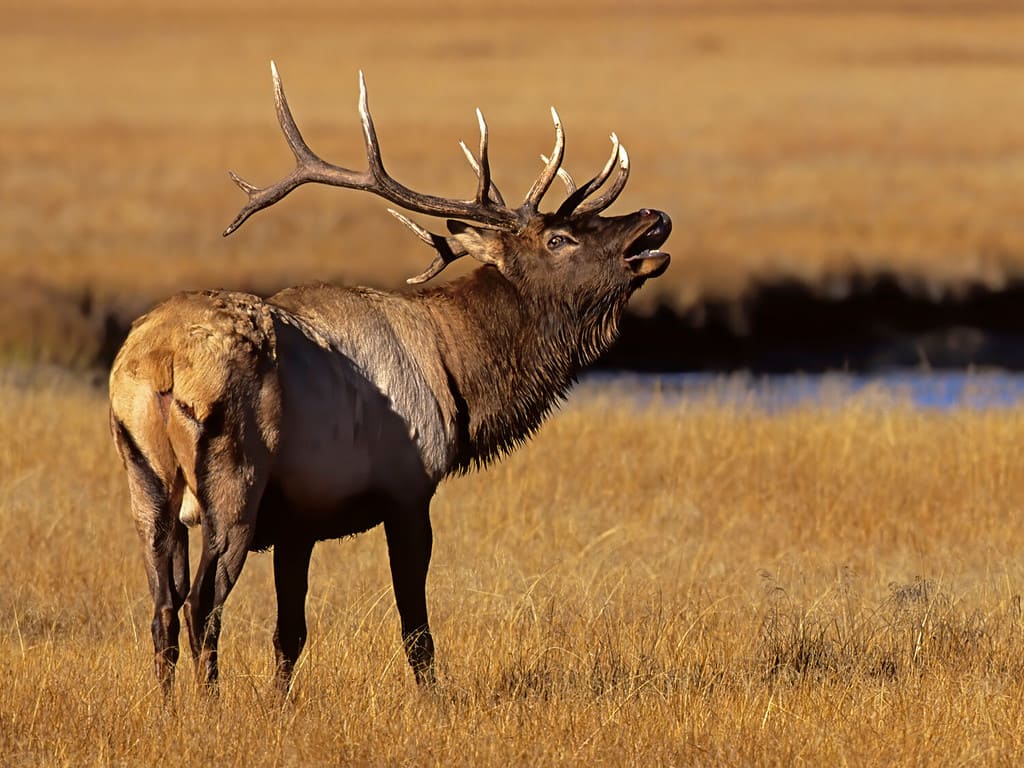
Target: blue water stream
(940, 390)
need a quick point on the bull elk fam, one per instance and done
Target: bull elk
(324, 411)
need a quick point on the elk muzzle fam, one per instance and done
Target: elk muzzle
(642, 255)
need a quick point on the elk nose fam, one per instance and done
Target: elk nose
(664, 223)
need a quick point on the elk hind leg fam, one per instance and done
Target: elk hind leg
(164, 547)
(228, 524)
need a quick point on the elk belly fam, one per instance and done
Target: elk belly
(190, 513)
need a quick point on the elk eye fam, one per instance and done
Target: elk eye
(558, 241)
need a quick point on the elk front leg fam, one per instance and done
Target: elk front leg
(291, 581)
(410, 540)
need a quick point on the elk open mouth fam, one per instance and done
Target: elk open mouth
(643, 256)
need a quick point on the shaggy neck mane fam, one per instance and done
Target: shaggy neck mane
(511, 358)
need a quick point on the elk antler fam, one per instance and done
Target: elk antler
(543, 182)
(564, 175)
(482, 168)
(311, 168)
(446, 253)
(611, 194)
(487, 207)
(574, 204)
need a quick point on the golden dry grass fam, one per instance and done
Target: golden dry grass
(699, 583)
(785, 138)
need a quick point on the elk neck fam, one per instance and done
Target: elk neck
(510, 358)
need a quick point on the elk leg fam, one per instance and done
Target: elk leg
(164, 550)
(174, 586)
(224, 553)
(410, 540)
(203, 627)
(291, 580)
(164, 554)
(180, 565)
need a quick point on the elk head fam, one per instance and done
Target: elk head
(573, 253)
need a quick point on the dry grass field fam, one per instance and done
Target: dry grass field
(786, 139)
(694, 584)
(704, 583)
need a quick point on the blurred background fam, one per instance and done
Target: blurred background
(847, 186)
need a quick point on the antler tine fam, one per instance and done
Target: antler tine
(260, 198)
(481, 209)
(543, 182)
(311, 168)
(494, 194)
(435, 268)
(292, 135)
(483, 187)
(423, 234)
(445, 253)
(564, 175)
(486, 190)
(609, 196)
(576, 199)
(369, 132)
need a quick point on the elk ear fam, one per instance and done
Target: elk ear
(484, 245)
